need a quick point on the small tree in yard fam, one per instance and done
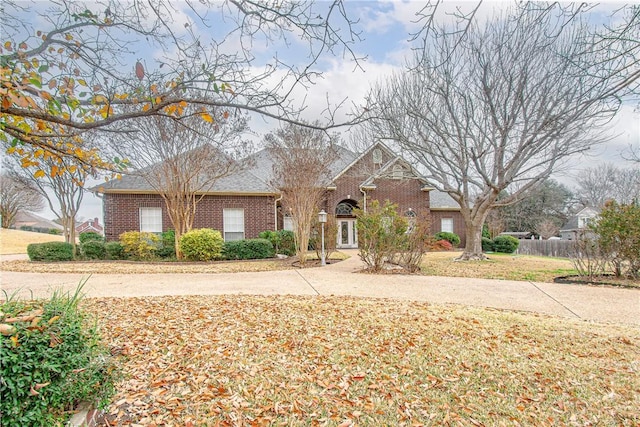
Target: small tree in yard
(384, 237)
(17, 193)
(301, 172)
(618, 235)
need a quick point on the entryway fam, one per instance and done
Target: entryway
(347, 233)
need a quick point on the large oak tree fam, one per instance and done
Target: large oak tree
(499, 105)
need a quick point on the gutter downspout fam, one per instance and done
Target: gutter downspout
(275, 212)
(364, 199)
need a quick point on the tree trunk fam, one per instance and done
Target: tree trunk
(473, 244)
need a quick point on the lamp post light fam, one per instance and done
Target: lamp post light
(322, 219)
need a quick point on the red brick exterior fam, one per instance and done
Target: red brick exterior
(406, 193)
(458, 223)
(121, 212)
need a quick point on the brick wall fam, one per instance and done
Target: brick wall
(458, 223)
(121, 212)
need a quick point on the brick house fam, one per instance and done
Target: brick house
(90, 225)
(244, 204)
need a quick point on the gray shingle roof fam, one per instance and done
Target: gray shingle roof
(441, 200)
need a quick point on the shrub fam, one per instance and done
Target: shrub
(487, 245)
(55, 231)
(452, 238)
(202, 244)
(442, 245)
(248, 249)
(93, 249)
(50, 251)
(618, 233)
(505, 244)
(167, 247)
(286, 242)
(51, 357)
(90, 236)
(140, 245)
(114, 250)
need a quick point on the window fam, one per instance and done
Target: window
(446, 224)
(411, 220)
(398, 172)
(151, 220)
(377, 157)
(344, 209)
(233, 224)
(288, 223)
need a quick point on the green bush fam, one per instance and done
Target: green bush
(90, 236)
(50, 251)
(93, 249)
(248, 249)
(283, 241)
(51, 357)
(114, 250)
(505, 244)
(167, 247)
(55, 231)
(139, 244)
(452, 238)
(487, 245)
(202, 244)
(287, 242)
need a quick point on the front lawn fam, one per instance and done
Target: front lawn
(243, 360)
(498, 266)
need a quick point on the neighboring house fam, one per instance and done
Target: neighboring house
(25, 219)
(577, 224)
(245, 203)
(90, 225)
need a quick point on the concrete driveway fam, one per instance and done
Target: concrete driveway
(601, 304)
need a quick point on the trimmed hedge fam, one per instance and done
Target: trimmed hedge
(167, 247)
(203, 244)
(90, 236)
(505, 244)
(283, 241)
(487, 245)
(50, 251)
(452, 238)
(93, 249)
(248, 249)
(114, 250)
(139, 244)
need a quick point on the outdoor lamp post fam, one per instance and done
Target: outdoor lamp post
(322, 219)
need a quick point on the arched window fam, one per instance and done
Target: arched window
(377, 156)
(344, 209)
(398, 172)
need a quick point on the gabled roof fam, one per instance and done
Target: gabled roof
(573, 223)
(441, 200)
(262, 163)
(26, 218)
(384, 171)
(241, 181)
(356, 159)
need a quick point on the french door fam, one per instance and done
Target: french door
(347, 233)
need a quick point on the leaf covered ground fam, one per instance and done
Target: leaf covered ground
(254, 361)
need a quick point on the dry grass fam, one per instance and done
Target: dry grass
(498, 266)
(328, 361)
(16, 241)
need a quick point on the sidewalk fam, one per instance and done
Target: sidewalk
(601, 304)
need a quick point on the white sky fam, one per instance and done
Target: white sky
(385, 27)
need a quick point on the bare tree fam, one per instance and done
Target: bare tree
(182, 159)
(301, 157)
(69, 66)
(62, 188)
(607, 181)
(500, 108)
(547, 228)
(17, 193)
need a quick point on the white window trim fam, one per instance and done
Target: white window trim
(154, 226)
(442, 224)
(232, 228)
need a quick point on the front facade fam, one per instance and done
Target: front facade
(244, 204)
(90, 225)
(577, 225)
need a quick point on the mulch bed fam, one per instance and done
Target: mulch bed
(604, 280)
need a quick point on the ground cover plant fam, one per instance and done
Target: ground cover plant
(242, 360)
(51, 359)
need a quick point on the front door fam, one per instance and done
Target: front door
(347, 233)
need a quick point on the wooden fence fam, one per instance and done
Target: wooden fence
(554, 248)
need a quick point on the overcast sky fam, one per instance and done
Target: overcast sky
(386, 28)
